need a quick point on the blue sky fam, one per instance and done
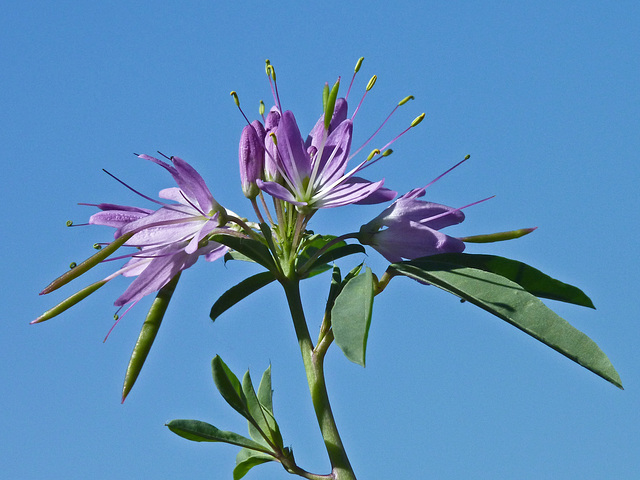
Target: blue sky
(543, 96)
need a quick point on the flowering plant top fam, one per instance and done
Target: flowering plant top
(287, 178)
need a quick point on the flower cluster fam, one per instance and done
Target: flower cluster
(300, 174)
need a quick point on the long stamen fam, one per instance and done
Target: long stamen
(444, 214)
(370, 85)
(355, 71)
(271, 73)
(400, 103)
(442, 175)
(133, 189)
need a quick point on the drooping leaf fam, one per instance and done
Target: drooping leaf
(198, 431)
(238, 292)
(148, 334)
(351, 316)
(529, 278)
(510, 302)
(247, 459)
(229, 386)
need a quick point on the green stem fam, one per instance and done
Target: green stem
(313, 365)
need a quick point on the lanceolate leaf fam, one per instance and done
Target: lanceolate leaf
(247, 459)
(529, 278)
(245, 288)
(229, 386)
(255, 411)
(148, 334)
(198, 431)
(351, 316)
(510, 302)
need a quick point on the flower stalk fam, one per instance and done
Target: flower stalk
(314, 367)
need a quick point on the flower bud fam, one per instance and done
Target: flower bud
(251, 156)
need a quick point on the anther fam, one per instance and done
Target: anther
(235, 98)
(69, 223)
(261, 108)
(373, 153)
(97, 246)
(387, 152)
(73, 265)
(372, 82)
(358, 65)
(405, 100)
(417, 120)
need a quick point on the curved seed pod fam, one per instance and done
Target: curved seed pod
(147, 335)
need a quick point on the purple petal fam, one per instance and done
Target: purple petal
(157, 274)
(335, 153)
(278, 191)
(193, 185)
(294, 158)
(347, 193)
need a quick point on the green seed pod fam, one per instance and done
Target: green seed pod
(148, 334)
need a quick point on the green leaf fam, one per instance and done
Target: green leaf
(240, 291)
(148, 334)
(351, 316)
(229, 386)
(258, 425)
(529, 278)
(510, 302)
(256, 251)
(247, 459)
(340, 251)
(313, 245)
(265, 397)
(198, 431)
(265, 392)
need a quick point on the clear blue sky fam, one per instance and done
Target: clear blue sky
(543, 95)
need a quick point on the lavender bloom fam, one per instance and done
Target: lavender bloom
(412, 229)
(313, 172)
(169, 239)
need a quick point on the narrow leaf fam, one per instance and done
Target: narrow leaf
(265, 397)
(238, 292)
(198, 431)
(510, 302)
(229, 386)
(247, 459)
(351, 316)
(339, 252)
(148, 334)
(258, 426)
(529, 278)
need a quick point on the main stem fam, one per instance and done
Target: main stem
(314, 367)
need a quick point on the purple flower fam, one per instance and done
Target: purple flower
(312, 174)
(411, 229)
(169, 239)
